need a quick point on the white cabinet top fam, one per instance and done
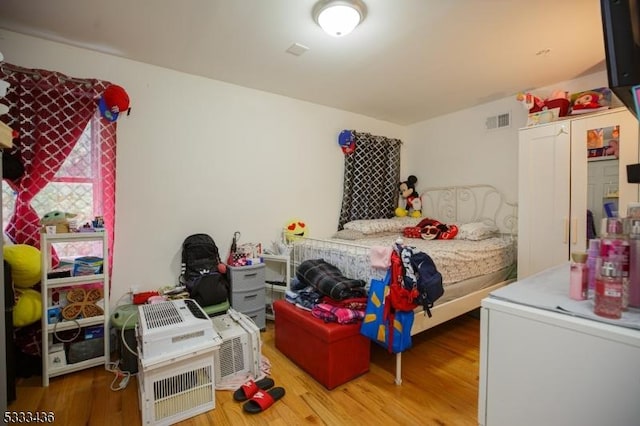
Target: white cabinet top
(549, 290)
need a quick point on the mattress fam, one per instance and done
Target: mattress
(464, 287)
(457, 260)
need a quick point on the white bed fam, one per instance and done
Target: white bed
(470, 269)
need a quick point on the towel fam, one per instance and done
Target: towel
(380, 257)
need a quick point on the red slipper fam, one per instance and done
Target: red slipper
(249, 389)
(263, 400)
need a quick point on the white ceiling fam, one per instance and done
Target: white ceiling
(410, 60)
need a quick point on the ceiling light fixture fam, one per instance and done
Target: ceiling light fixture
(339, 17)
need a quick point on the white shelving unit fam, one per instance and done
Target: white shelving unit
(49, 369)
(277, 279)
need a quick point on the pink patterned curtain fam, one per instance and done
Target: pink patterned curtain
(50, 111)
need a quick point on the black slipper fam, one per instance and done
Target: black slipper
(263, 400)
(249, 388)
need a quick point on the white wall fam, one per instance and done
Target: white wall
(457, 149)
(198, 155)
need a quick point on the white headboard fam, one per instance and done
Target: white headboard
(470, 203)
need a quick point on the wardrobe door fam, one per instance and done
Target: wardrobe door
(543, 197)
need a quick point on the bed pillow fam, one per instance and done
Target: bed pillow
(377, 226)
(477, 231)
(348, 234)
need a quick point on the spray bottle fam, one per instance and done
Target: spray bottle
(634, 264)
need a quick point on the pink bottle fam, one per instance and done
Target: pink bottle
(614, 247)
(592, 258)
(634, 265)
(608, 295)
(578, 279)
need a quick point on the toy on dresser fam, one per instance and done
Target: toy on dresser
(541, 111)
(590, 101)
(57, 222)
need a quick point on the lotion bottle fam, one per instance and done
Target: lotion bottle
(634, 264)
(578, 280)
(592, 261)
(608, 295)
(614, 247)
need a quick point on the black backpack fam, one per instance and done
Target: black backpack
(199, 256)
(209, 289)
(429, 280)
(199, 272)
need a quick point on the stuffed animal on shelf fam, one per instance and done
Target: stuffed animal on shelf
(587, 101)
(58, 219)
(531, 102)
(557, 99)
(412, 201)
(590, 100)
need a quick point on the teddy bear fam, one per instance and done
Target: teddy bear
(413, 203)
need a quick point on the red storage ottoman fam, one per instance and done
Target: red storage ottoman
(331, 353)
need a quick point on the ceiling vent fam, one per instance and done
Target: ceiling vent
(297, 49)
(499, 121)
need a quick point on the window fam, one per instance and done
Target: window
(76, 188)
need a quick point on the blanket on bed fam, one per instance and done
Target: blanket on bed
(328, 280)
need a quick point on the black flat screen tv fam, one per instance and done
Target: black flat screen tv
(621, 26)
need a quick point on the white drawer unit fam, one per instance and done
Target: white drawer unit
(248, 291)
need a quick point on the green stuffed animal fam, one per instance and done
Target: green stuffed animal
(58, 219)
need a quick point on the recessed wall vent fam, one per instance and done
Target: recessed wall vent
(499, 121)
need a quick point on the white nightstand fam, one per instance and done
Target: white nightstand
(277, 279)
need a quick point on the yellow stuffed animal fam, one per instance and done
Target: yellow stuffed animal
(25, 273)
(28, 308)
(25, 264)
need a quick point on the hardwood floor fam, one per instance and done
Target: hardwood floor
(440, 387)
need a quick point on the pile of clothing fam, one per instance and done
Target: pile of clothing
(321, 288)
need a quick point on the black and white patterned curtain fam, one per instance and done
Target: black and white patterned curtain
(371, 177)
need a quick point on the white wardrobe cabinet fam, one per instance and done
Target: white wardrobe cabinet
(553, 185)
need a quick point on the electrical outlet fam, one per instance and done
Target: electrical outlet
(134, 289)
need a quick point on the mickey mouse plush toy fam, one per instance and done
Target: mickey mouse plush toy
(413, 204)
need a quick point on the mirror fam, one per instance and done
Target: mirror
(607, 156)
(602, 175)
